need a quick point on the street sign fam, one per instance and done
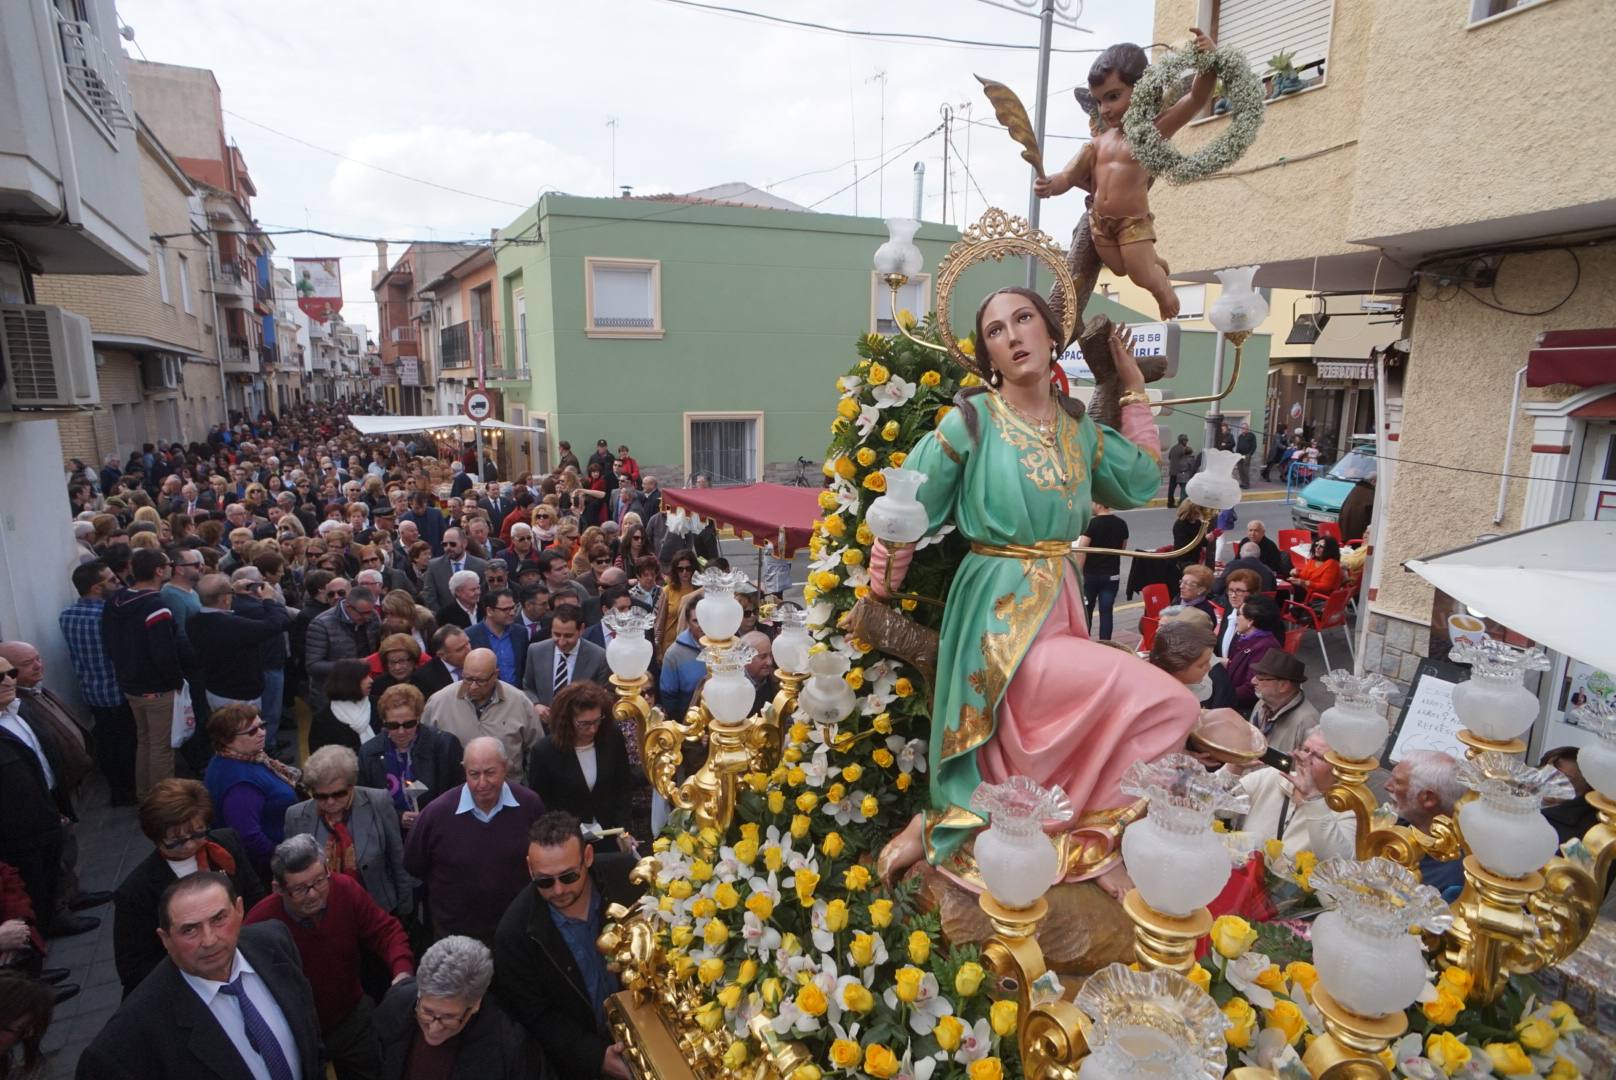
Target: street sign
(1149, 339)
(477, 407)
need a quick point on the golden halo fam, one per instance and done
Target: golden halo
(996, 235)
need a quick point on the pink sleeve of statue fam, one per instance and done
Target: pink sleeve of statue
(1139, 428)
(880, 561)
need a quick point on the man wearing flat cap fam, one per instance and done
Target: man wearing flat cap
(1282, 713)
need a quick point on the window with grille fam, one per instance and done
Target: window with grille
(914, 297)
(624, 298)
(1263, 29)
(725, 449)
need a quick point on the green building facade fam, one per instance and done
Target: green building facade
(708, 336)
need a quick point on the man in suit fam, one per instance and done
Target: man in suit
(502, 633)
(562, 660)
(454, 559)
(449, 648)
(1250, 559)
(233, 1001)
(499, 506)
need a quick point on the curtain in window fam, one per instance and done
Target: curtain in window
(724, 449)
(623, 298)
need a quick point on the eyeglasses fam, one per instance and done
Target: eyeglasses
(309, 889)
(9, 673)
(546, 882)
(252, 729)
(400, 725)
(503, 609)
(336, 592)
(332, 796)
(177, 842)
(478, 680)
(432, 1019)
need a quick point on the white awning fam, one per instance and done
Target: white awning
(1555, 584)
(403, 425)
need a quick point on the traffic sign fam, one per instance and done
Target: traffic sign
(477, 407)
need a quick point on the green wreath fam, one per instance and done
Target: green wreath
(1245, 95)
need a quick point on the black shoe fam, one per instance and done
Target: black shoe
(66, 925)
(66, 991)
(54, 975)
(86, 900)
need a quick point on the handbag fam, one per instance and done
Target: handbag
(184, 722)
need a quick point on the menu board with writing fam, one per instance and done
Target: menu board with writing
(1427, 721)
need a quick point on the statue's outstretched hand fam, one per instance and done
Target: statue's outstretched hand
(1049, 186)
(1128, 373)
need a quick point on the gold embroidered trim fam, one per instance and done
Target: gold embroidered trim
(948, 448)
(1052, 463)
(955, 817)
(1099, 446)
(1038, 549)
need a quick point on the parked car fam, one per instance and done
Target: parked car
(1321, 499)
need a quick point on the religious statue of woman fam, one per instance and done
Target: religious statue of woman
(1021, 689)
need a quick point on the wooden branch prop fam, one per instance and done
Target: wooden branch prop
(1013, 115)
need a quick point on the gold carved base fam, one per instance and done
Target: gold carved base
(1348, 1050)
(651, 1047)
(1477, 745)
(1165, 941)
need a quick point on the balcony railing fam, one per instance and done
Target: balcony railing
(94, 74)
(458, 350)
(234, 278)
(454, 346)
(240, 358)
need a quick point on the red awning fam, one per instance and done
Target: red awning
(763, 512)
(1578, 357)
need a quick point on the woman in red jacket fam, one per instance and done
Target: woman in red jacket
(1322, 572)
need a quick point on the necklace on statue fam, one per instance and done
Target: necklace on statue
(1044, 426)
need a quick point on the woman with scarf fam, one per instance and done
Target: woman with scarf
(251, 790)
(413, 764)
(175, 815)
(347, 718)
(355, 826)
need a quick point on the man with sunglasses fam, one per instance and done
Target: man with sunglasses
(548, 974)
(334, 923)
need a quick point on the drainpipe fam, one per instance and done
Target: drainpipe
(1509, 444)
(920, 188)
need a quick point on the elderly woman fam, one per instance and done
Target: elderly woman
(1194, 590)
(582, 765)
(1258, 628)
(413, 764)
(251, 790)
(175, 816)
(355, 826)
(1238, 587)
(441, 1026)
(399, 660)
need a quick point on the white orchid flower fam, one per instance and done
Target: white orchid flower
(741, 1022)
(820, 612)
(868, 417)
(790, 1018)
(893, 393)
(857, 576)
(816, 769)
(830, 559)
(1242, 974)
(758, 937)
(845, 810)
(1273, 1052)
(878, 956)
(847, 496)
(975, 1043)
(849, 384)
(908, 754)
(936, 537)
(909, 1069)
(928, 1007)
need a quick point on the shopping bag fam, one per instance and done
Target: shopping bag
(184, 725)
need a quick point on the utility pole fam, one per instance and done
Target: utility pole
(611, 123)
(881, 77)
(965, 216)
(948, 122)
(1046, 19)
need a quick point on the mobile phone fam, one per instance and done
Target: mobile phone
(1279, 759)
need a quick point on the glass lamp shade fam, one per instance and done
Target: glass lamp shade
(1493, 703)
(728, 693)
(718, 611)
(792, 645)
(1597, 760)
(1150, 1025)
(1354, 726)
(898, 517)
(826, 698)
(1504, 826)
(899, 255)
(1239, 308)
(1178, 863)
(628, 653)
(1215, 485)
(1365, 955)
(1017, 860)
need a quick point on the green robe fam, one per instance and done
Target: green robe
(1007, 487)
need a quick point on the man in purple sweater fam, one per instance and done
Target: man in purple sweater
(470, 843)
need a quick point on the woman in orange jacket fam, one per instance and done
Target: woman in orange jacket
(1321, 573)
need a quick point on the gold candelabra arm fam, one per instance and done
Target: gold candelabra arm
(768, 745)
(663, 753)
(1239, 340)
(1400, 843)
(896, 282)
(1050, 1034)
(1562, 912)
(1207, 516)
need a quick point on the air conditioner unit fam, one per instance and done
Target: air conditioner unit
(161, 371)
(47, 359)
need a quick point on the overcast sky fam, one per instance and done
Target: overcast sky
(505, 99)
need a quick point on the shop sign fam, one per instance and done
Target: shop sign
(1334, 369)
(409, 371)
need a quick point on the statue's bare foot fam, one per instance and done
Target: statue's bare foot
(1115, 881)
(901, 852)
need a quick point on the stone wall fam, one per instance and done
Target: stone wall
(1394, 647)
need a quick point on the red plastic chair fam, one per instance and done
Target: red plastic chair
(1332, 530)
(1289, 538)
(1156, 598)
(1304, 619)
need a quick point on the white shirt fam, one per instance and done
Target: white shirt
(586, 762)
(227, 1011)
(467, 803)
(1311, 825)
(11, 719)
(183, 867)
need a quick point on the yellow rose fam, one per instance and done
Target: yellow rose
(836, 915)
(1242, 1023)
(799, 825)
(852, 773)
(860, 591)
(1537, 1034)
(834, 526)
(809, 592)
(777, 801)
(703, 908)
(903, 688)
(794, 777)
(942, 411)
(1305, 863)
(919, 947)
(970, 378)
(665, 904)
(865, 457)
(746, 850)
(903, 781)
(845, 468)
(806, 882)
(857, 998)
(855, 677)
(1446, 1051)
(1445, 1008)
(811, 1000)
(906, 982)
(889, 430)
(883, 758)
(864, 536)
(826, 580)
(827, 499)
(863, 949)
(710, 1016)
(680, 936)
(882, 723)
(807, 1072)
(1232, 935)
(760, 905)
(877, 375)
(1288, 1018)
(1508, 1059)
(710, 970)
(730, 996)
(1271, 978)
(1564, 1069)
(715, 933)
(857, 878)
(807, 801)
(1273, 849)
(839, 426)
(870, 806)
(790, 945)
(835, 792)
(833, 844)
(1201, 977)
(735, 1056)
(880, 914)
(875, 482)
(852, 557)
(967, 346)
(968, 979)
(747, 973)
(1564, 1017)
(772, 991)
(845, 1053)
(1003, 1017)
(988, 1068)
(683, 967)
(880, 1062)
(847, 409)
(1302, 973)
(930, 378)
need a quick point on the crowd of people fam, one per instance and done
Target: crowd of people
(356, 693)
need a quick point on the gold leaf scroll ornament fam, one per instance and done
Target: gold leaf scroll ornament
(1013, 115)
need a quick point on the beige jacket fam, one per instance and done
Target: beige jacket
(508, 717)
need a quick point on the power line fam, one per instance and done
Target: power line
(969, 175)
(889, 35)
(377, 168)
(895, 156)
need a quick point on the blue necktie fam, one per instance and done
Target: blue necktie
(259, 1035)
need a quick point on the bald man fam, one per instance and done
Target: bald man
(480, 704)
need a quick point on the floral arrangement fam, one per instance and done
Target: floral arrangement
(1272, 1019)
(784, 918)
(1242, 90)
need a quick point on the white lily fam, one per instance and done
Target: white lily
(893, 393)
(908, 754)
